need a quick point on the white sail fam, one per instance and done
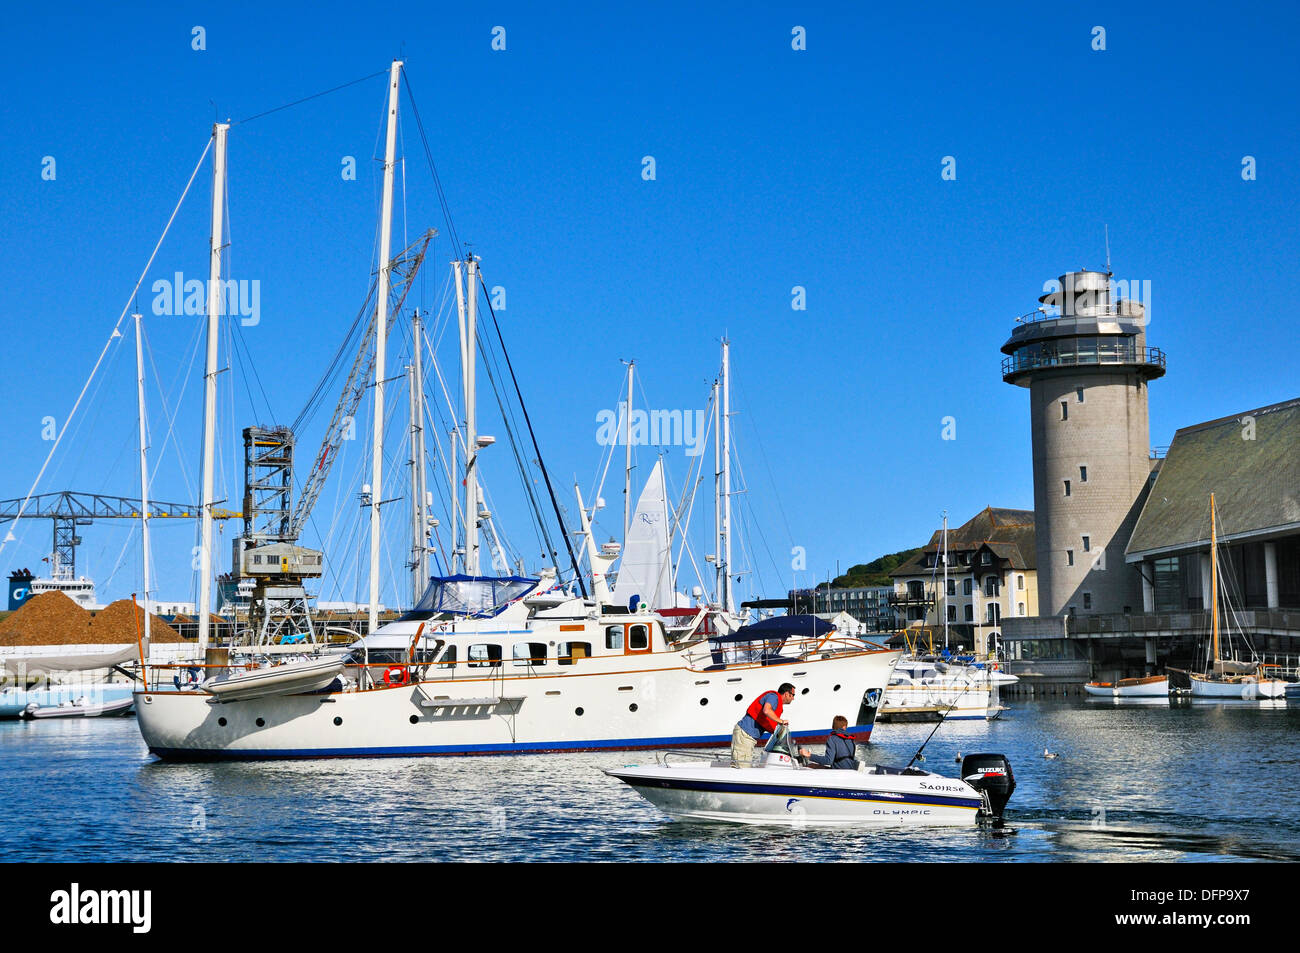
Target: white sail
(645, 572)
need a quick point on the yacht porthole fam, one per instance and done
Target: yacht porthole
(704, 701)
(632, 707)
(261, 722)
(338, 720)
(221, 722)
(804, 692)
(415, 719)
(739, 697)
(577, 711)
(835, 689)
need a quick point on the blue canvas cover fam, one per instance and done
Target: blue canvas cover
(779, 628)
(478, 596)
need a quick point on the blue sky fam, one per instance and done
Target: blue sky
(775, 168)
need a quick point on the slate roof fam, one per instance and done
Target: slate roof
(1009, 533)
(1250, 461)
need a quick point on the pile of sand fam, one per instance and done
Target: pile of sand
(51, 618)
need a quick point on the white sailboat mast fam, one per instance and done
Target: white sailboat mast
(945, 579)
(419, 511)
(470, 349)
(204, 606)
(728, 601)
(453, 560)
(381, 341)
(458, 553)
(627, 471)
(600, 562)
(717, 496)
(144, 475)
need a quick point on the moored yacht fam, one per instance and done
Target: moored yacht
(933, 688)
(1152, 686)
(493, 665)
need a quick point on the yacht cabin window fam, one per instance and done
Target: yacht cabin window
(570, 652)
(530, 653)
(614, 637)
(484, 656)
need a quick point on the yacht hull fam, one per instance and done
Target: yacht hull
(1157, 687)
(1242, 689)
(659, 708)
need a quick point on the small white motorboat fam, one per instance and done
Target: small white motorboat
(1155, 686)
(287, 678)
(925, 689)
(778, 789)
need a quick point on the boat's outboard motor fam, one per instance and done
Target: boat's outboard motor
(990, 774)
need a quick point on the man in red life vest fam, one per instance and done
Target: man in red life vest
(762, 715)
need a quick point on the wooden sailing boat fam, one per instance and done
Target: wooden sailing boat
(1228, 678)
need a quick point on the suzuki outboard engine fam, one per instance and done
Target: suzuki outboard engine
(990, 774)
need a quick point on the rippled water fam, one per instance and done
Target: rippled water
(1153, 784)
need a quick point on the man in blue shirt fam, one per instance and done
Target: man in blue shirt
(762, 715)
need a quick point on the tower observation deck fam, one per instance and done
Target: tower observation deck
(1078, 327)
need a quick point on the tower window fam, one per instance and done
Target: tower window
(1065, 411)
(1069, 557)
(1087, 600)
(1078, 393)
(1067, 487)
(1083, 473)
(1087, 544)
(1020, 584)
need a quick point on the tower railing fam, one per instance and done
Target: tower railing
(1125, 309)
(1018, 362)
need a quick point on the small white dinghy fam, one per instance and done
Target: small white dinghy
(780, 790)
(84, 707)
(287, 678)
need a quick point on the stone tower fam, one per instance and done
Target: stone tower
(1084, 358)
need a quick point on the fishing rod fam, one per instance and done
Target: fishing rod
(936, 727)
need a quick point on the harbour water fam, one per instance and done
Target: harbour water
(1130, 784)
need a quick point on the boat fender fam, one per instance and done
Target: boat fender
(395, 676)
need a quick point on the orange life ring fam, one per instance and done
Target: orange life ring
(397, 675)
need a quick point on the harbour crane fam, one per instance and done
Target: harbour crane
(70, 509)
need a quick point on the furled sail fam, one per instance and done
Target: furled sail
(644, 575)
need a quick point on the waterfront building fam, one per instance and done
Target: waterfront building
(992, 576)
(1123, 534)
(869, 605)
